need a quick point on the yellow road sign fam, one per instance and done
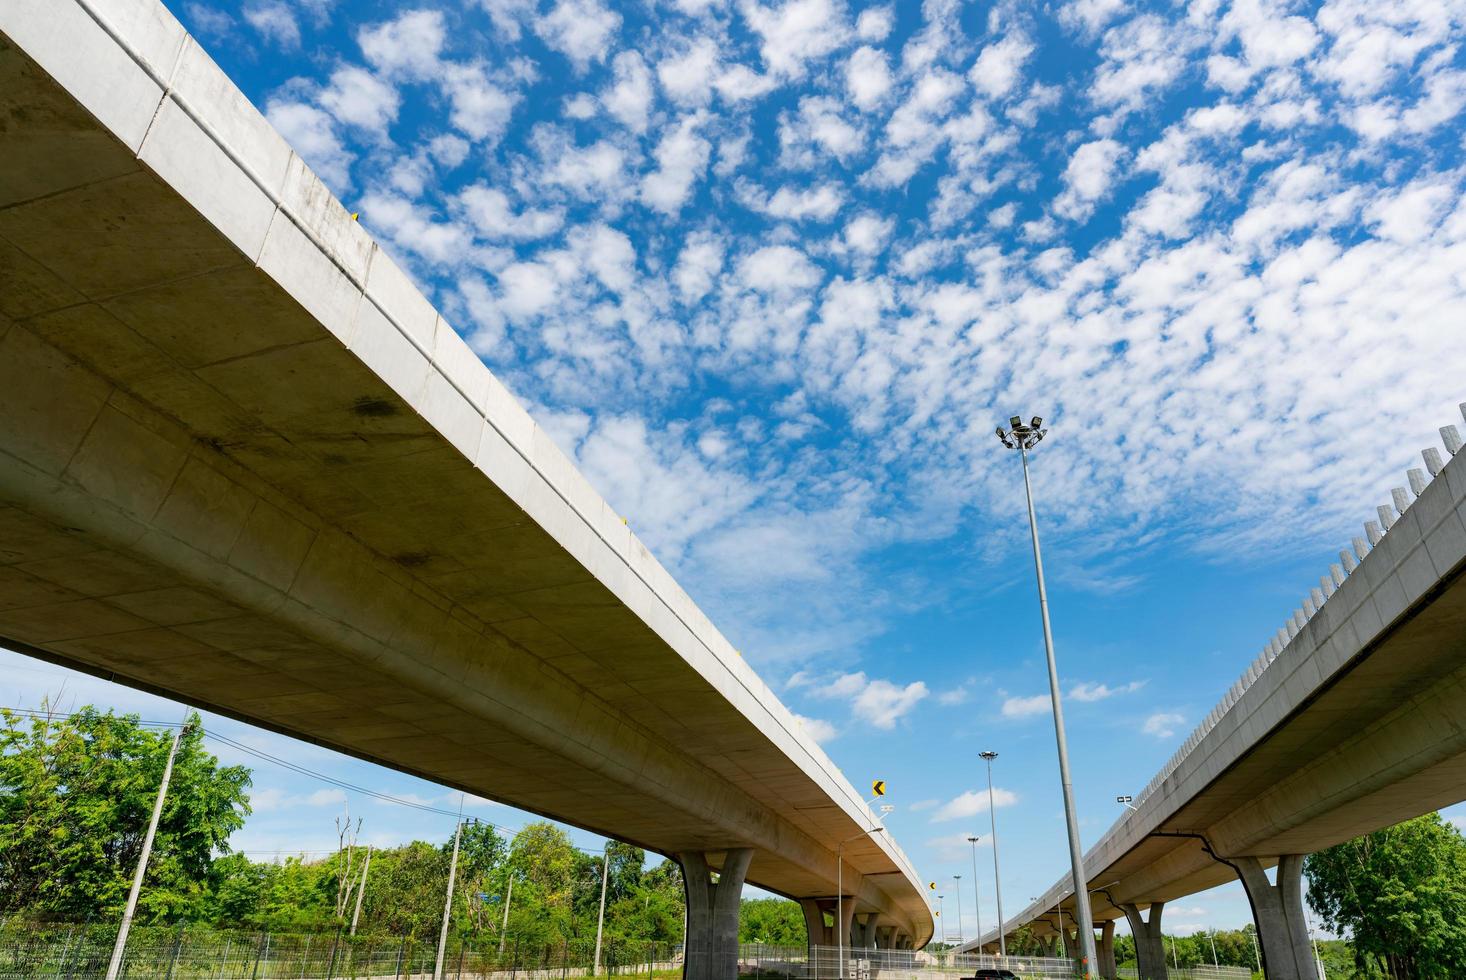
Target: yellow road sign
(878, 787)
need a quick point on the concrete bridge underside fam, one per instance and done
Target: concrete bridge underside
(244, 463)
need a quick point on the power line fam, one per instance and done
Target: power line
(299, 770)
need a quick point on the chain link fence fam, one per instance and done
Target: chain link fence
(81, 952)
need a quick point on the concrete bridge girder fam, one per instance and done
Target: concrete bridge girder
(233, 416)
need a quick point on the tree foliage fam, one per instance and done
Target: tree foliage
(76, 795)
(1400, 894)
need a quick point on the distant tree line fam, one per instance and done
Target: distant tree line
(76, 792)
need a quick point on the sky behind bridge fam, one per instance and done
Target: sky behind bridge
(772, 274)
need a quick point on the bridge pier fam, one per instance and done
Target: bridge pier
(712, 914)
(1150, 948)
(1277, 910)
(1104, 949)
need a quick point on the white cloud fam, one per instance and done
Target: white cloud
(1162, 724)
(682, 158)
(493, 217)
(874, 24)
(313, 135)
(867, 233)
(326, 797)
(629, 99)
(1087, 691)
(481, 109)
(274, 20)
(778, 268)
(579, 29)
(953, 696)
(1024, 707)
(358, 98)
(818, 729)
(1088, 178)
(697, 268)
(687, 77)
(998, 68)
(972, 802)
(873, 701)
(883, 703)
(818, 203)
(868, 77)
(796, 32)
(410, 45)
(528, 288)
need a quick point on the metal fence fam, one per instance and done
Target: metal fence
(77, 952)
(823, 963)
(81, 952)
(1203, 972)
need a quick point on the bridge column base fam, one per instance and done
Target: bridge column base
(1282, 930)
(711, 951)
(1104, 949)
(1150, 947)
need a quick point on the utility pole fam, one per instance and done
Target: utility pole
(360, 891)
(115, 965)
(601, 918)
(448, 903)
(504, 928)
(1023, 437)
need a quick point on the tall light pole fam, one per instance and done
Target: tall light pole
(942, 914)
(958, 888)
(1024, 437)
(989, 756)
(976, 895)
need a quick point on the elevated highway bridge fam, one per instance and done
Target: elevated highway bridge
(1352, 719)
(244, 463)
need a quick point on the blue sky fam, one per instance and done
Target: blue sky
(772, 273)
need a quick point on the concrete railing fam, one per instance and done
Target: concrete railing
(1349, 559)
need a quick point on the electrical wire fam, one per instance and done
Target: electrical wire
(299, 770)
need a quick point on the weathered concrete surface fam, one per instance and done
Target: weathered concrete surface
(244, 462)
(1358, 723)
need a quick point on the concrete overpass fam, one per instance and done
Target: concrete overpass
(246, 464)
(1352, 719)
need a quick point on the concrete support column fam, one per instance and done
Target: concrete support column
(814, 921)
(1049, 944)
(712, 914)
(863, 936)
(1150, 947)
(903, 941)
(1282, 931)
(885, 937)
(1105, 949)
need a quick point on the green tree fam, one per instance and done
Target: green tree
(76, 795)
(776, 921)
(1400, 894)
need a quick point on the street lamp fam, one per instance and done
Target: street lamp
(1128, 802)
(942, 914)
(976, 895)
(958, 887)
(1024, 437)
(990, 755)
